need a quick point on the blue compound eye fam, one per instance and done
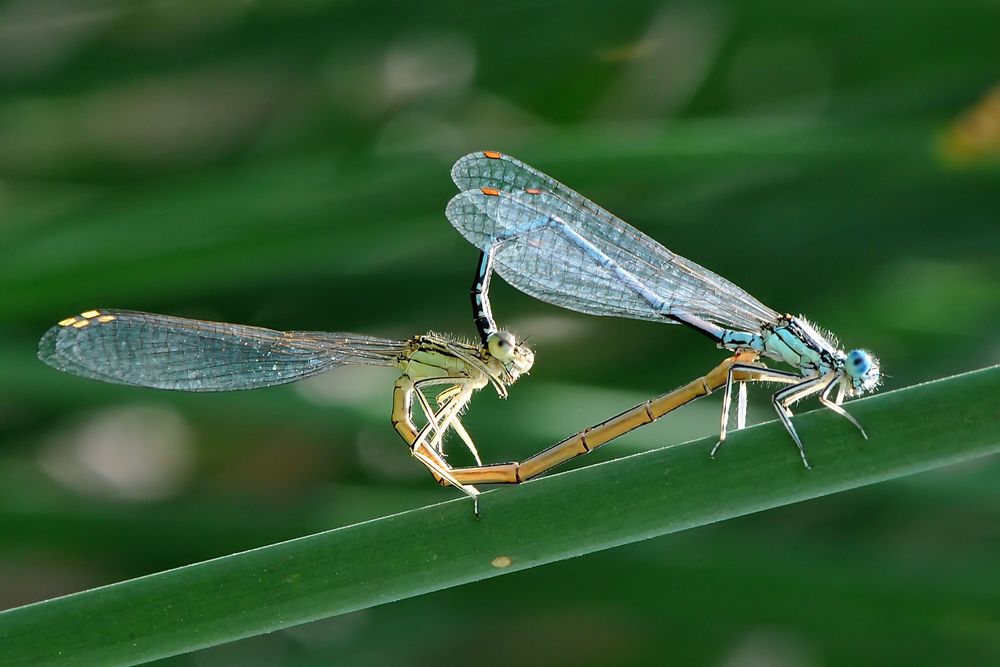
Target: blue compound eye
(858, 363)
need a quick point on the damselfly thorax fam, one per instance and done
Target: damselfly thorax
(437, 359)
(790, 340)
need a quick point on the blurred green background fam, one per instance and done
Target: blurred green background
(286, 165)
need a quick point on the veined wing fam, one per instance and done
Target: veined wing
(164, 352)
(574, 254)
(493, 169)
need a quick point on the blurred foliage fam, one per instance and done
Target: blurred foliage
(286, 165)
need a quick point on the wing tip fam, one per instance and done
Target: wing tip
(462, 179)
(47, 344)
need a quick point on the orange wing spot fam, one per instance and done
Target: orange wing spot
(490, 192)
(90, 313)
(493, 155)
(533, 191)
(106, 318)
(68, 321)
(79, 324)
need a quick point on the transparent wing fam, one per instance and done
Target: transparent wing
(493, 169)
(147, 350)
(560, 247)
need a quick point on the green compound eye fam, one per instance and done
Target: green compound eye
(501, 345)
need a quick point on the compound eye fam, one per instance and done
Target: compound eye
(858, 363)
(502, 345)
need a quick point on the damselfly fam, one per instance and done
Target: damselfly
(556, 245)
(164, 352)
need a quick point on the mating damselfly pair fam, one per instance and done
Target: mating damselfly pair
(544, 239)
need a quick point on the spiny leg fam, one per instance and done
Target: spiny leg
(426, 455)
(785, 415)
(437, 442)
(824, 399)
(441, 418)
(436, 433)
(442, 469)
(448, 416)
(454, 394)
(448, 394)
(439, 422)
(459, 428)
(402, 421)
(783, 398)
(458, 396)
(402, 417)
(741, 406)
(424, 452)
(759, 373)
(433, 432)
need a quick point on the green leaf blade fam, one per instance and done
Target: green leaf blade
(574, 513)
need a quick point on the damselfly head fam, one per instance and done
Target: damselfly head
(515, 358)
(862, 371)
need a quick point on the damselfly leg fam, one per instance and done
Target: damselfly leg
(824, 399)
(451, 402)
(421, 442)
(759, 373)
(783, 399)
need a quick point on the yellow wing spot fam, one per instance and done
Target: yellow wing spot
(68, 321)
(490, 192)
(106, 318)
(90, 313)
(493, 155)
(500, 562)
(79, 324)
